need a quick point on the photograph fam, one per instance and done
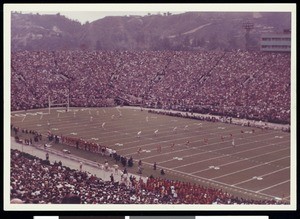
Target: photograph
(149, 107)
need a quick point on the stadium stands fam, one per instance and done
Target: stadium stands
(252, 85)
(36, 181)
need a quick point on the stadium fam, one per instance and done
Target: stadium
(163, 127)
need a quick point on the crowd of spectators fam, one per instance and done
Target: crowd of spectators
(252, 85)
(34, 180)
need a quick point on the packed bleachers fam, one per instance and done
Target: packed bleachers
(251, 85)
(37, 181)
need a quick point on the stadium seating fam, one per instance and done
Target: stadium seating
(252, 85)
(35, 181)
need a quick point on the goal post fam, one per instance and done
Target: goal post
(53, 104)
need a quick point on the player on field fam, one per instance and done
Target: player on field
(222, 138)
(154, 166)
(139, 151)
(233, 143)
(175, 129)
(187, 144)
(139, 134)
(205, 140)
(242, 133)
(172, 146)
(158, 148)
(140, 163)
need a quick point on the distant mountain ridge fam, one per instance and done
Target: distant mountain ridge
(186, 31)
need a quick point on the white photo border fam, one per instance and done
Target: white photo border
(8, 8)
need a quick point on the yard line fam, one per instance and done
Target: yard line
(227, 155)
(155, 126)
(228, 174)
(211, 127)
(81, 133)
(262, 175)
(120, 139)
(186, 149)
(190, 136)
(170, 140)
(244, 159)
(273, 186)
(287, 197)
(134, 130)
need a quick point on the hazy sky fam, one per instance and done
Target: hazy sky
(90, 16)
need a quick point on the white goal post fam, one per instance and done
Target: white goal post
(53, 104)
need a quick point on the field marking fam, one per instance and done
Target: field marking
(258, 191)
(190, 137)
(242, 170)
(227, 155)
(143, 123)
(31, 114)
(20, 115)
(212, 151)
(108, 132)
(167, 130)
(171, 140)
(286, 197)
(183, 122)
(243, 159)
(233, 128)
(24, 118)
(262, 176)
(187, 149)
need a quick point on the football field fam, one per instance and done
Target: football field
(246, 161)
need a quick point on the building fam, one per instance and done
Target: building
(276, 42)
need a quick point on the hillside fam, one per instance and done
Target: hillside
(187, 31)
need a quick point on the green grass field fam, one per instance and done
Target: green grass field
(257, 166)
